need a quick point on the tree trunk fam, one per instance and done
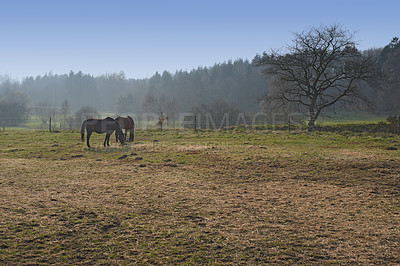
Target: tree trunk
(311, 125)
(311, 121)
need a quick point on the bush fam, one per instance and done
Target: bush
(394, 123)
(13, 113)
(84, 113)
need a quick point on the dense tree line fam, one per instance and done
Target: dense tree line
(80, 89)
(238, 84)
(235, 82)
(387, 100)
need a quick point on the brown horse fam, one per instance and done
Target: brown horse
(107, 125)
(127, 124)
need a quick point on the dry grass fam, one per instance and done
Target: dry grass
(212, 197)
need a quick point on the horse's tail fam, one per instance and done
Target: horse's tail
(83, 130)
(132, 128)
(119, 133)
(118, 118)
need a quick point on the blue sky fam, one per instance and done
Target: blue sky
(142, 37)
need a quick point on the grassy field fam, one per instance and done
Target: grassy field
(181, 197)
(350, 118)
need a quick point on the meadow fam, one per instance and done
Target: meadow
(206, 197)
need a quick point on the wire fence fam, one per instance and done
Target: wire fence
(199, 121)
(151, 121)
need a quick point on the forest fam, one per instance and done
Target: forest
(237, 84)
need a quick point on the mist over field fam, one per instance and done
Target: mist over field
(236, 84)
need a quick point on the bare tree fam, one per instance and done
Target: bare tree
(150, 103)
(320, 69)
(65, 110)
(161, 104)
(171, 108)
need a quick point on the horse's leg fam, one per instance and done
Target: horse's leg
(106, 139)
(88, 137)
(126, 134)
(131, 135)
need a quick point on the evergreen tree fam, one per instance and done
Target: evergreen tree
(125, 104)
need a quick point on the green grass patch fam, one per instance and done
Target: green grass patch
(350, 118)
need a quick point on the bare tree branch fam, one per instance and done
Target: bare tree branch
(320, 69)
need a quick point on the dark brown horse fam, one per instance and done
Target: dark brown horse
(127, 124)
(107, 125)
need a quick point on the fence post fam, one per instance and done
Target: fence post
(50, 124)
(195, 122)
(161, 121)
(398, 130)
(4, 126)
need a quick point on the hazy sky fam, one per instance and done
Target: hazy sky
(142, 37)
